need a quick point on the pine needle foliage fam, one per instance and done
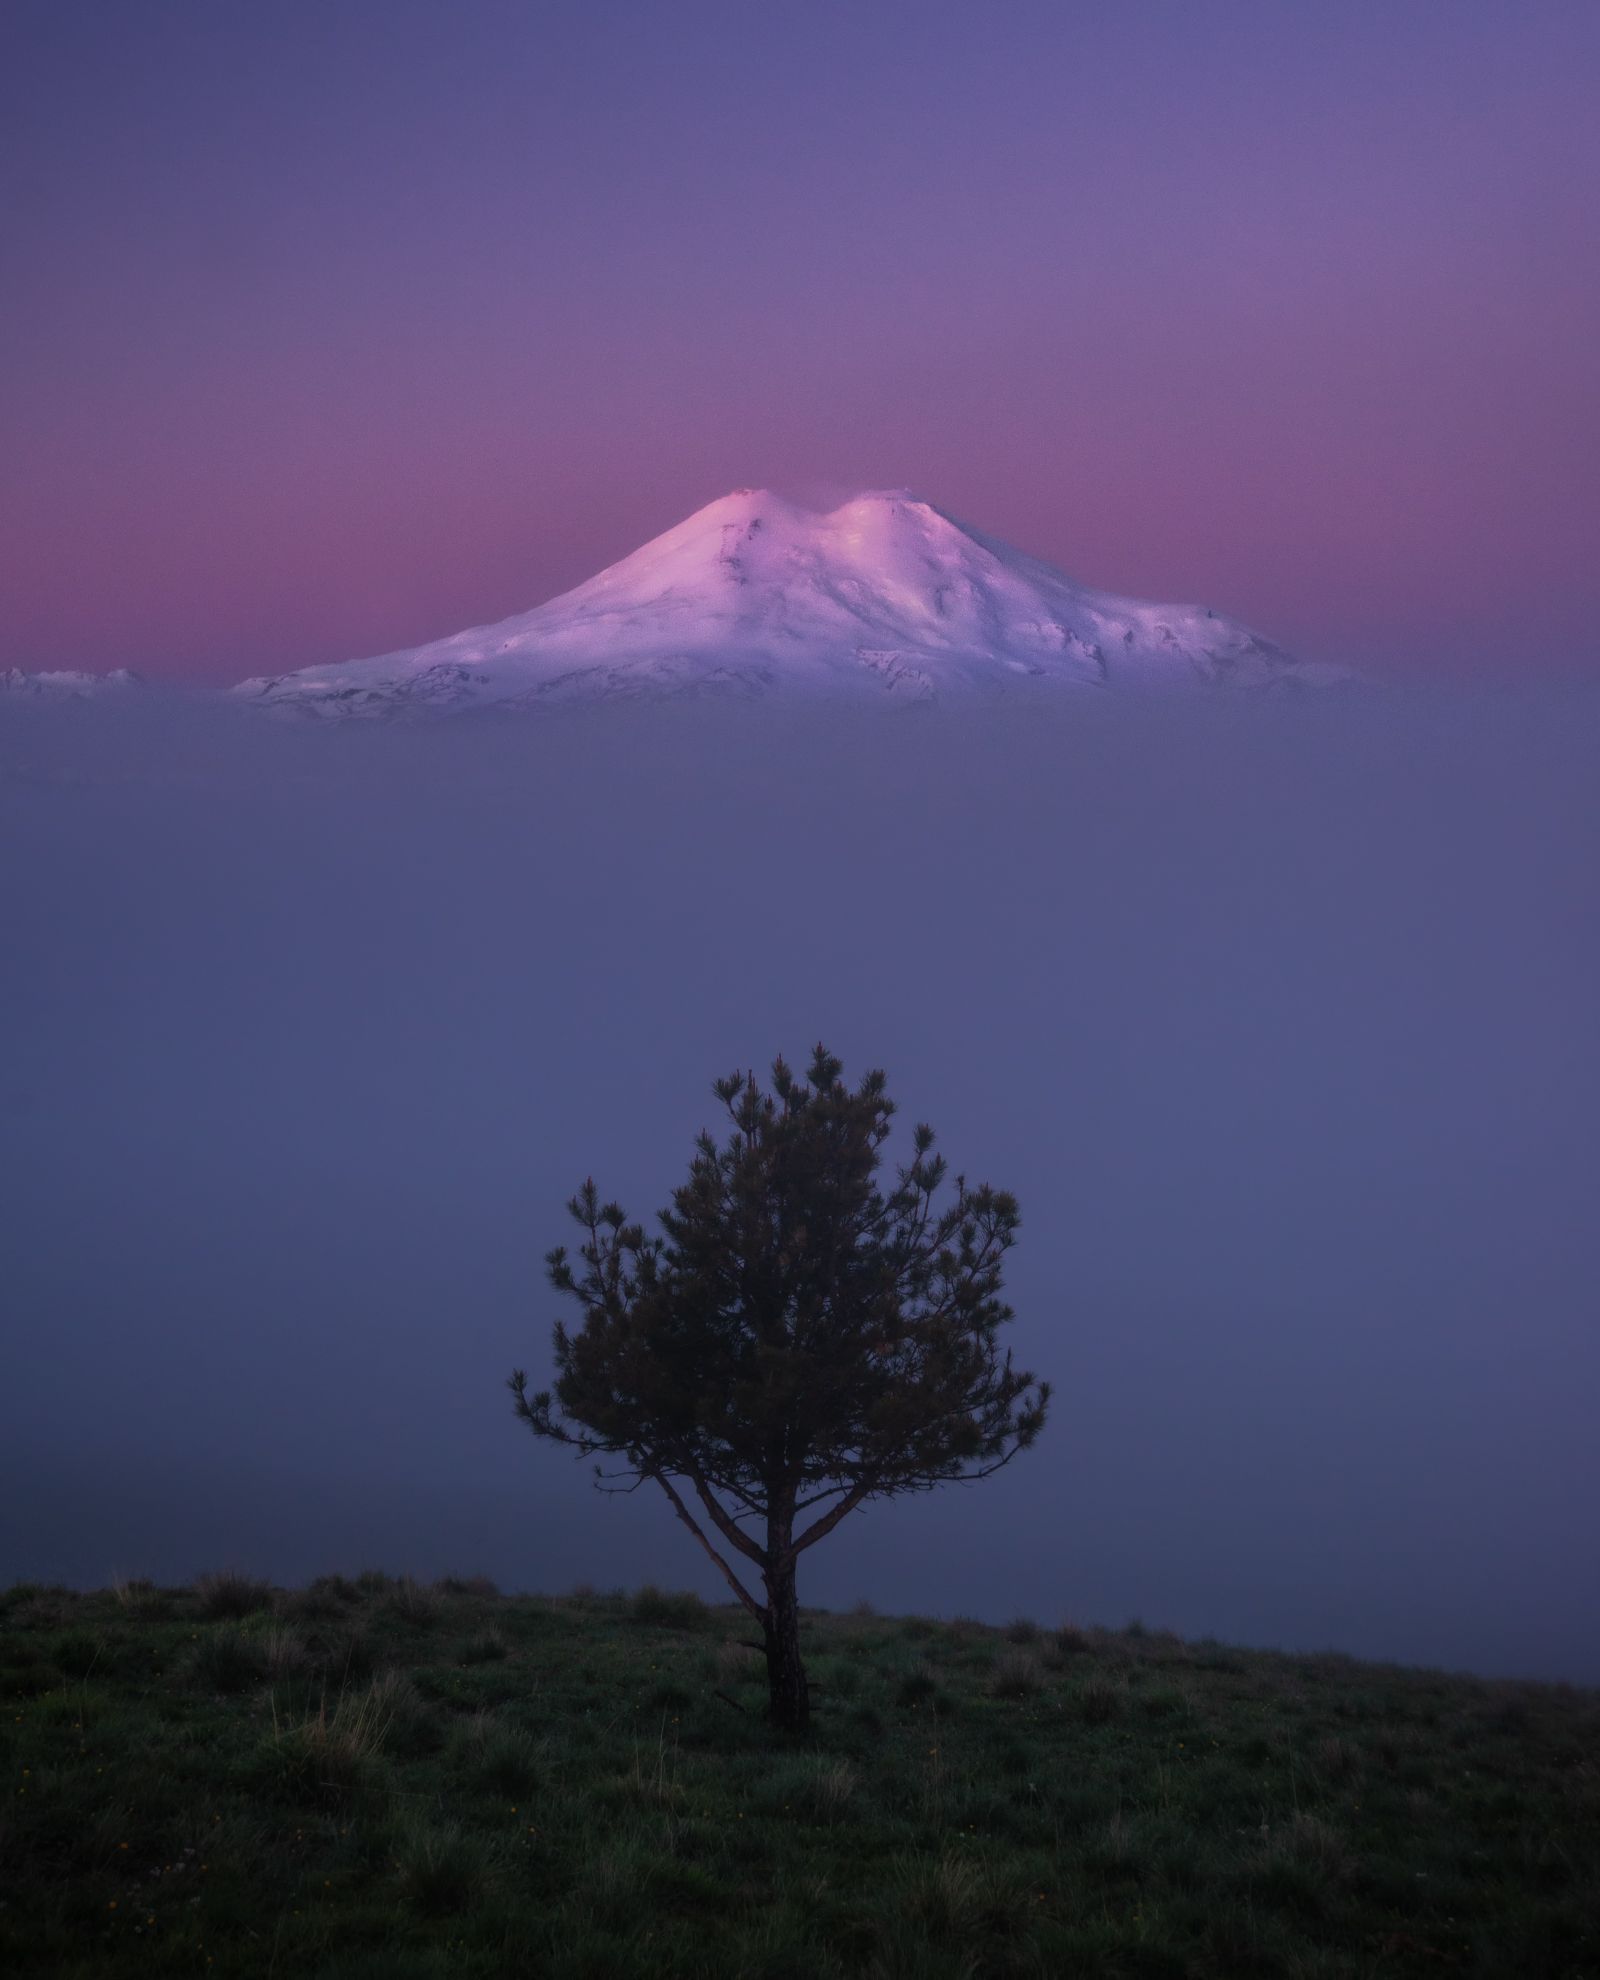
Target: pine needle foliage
(798, 1338)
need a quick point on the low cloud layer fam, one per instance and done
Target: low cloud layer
(1279, 1021)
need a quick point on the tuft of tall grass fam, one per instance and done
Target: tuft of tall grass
(342, 1656)
(284, 1651)
(72, 1707)
(328, 1596)
(508, 1765)
(917, 1686)
(864, 1728)
(1210, 1655)
(28, 1676)
(812, 1787)
(412, 1727)
(1016, 1674)
(837, 1677)
(478, 1586)
(413, 1603)
(1300, 1867)
(1166, 1646)
(1336, 1759)
(328, 1754)
(229, 1594)
(664, 1609)
(441, 1870)
(79, 1652)
(1165, 1701)
(949, 1901)
(31, 1605)
(488, 1646)
(1101, 1699)
(138, 1596)
(736, 1663)
(1310, 1839)
(227, 1660)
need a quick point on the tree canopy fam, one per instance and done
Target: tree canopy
(795, 1340)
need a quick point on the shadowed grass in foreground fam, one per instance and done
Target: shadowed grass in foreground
(375, 1778)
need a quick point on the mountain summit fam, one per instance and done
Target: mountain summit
(753, 595)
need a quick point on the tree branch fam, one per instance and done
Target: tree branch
(819, 1529)
(725, 1525)
(698, 1531)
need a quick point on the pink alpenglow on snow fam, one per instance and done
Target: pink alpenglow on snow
(755, 595)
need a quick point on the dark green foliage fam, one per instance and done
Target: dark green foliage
(797, 1341)
(588, 1803)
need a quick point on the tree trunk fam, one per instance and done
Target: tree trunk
(789, 1698)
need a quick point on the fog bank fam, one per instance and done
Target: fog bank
(1279, 1020)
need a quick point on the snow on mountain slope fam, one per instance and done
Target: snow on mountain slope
(66, 684)
(753, 595)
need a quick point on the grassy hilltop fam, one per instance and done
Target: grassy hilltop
(380, 1781)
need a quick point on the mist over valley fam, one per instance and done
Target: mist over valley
(1276, 1015)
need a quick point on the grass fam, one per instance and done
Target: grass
(370, 1778)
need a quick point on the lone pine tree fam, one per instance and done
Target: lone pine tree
(798, 1340)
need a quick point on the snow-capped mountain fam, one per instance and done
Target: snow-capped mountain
(754, 595)
(66, 684)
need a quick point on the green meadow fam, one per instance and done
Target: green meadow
(379, 1780)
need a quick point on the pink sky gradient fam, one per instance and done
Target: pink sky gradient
(325, 331)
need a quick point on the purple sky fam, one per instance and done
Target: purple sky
(330, 329)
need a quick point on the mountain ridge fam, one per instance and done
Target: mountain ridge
(754, 595)
(67, 683)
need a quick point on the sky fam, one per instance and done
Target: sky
(331, 329)
(1277, 1017)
